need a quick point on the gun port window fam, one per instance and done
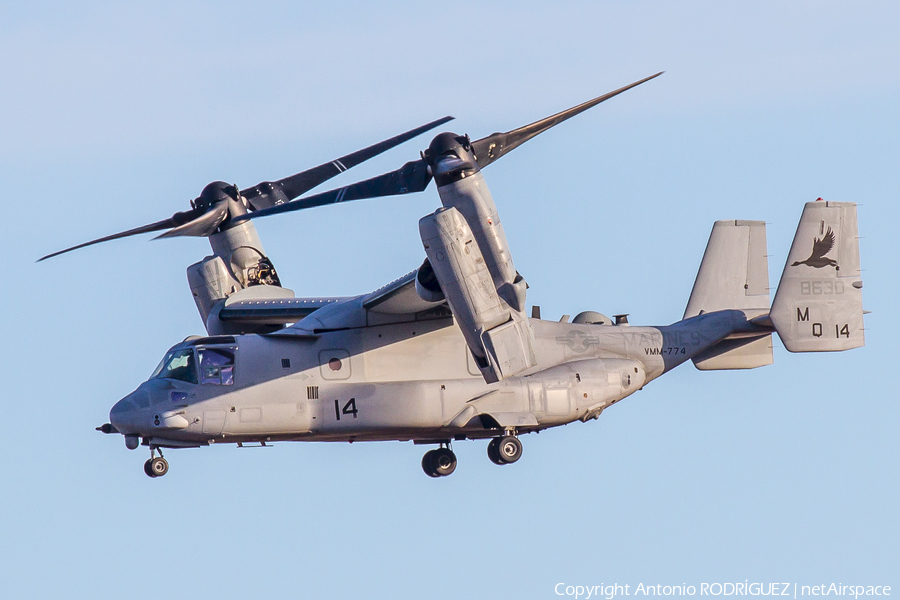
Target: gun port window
(178, 364)
(216, 365)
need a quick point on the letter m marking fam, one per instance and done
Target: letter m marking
(803, 316)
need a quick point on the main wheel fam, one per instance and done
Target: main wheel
(147, 469)
(159, 466)
(443, 462)
(494, 453)
(509, 449)
(427, 466)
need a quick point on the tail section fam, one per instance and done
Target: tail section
(734, 274)
(818, 304)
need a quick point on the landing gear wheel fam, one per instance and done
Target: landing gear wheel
(443, 462)
(426, 464)
(439, 462)
(147, 468)
(158, 466)
(509, 449)
(494, 453)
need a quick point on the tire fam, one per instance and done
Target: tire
(493, 453)
(426, 464)
(509, 449)
(147, 469)
(159, 466)
(443, 462)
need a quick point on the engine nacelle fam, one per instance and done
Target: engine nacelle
(500, 339)
(471, 197)
(238, 262)
(210, 282)
(462, 274)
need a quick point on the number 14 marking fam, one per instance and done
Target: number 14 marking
(349, 408)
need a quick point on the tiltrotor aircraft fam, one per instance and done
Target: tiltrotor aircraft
(447, 353)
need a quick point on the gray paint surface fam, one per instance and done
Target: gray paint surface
(348, 373)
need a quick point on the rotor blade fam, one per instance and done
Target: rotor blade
(492, 147)
(410, 178)
(173, 221)
(267, 194)
(203, 226)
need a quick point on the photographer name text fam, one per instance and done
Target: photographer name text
(740, 588)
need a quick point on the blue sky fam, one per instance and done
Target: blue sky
(117, 115)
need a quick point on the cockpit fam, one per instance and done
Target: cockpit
(208, 365)
(177, 364)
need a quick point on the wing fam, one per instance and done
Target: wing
(398, 298)
(272, 311)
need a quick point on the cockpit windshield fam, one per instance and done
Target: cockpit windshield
(178, 364)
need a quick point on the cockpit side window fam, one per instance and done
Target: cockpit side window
(178, 364)
(216, 365)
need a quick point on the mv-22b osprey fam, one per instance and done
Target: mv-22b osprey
(447, 352)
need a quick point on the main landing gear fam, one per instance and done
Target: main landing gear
(156, 466)
(505, 450)
(439, 462)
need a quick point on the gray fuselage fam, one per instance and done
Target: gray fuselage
(402, 381)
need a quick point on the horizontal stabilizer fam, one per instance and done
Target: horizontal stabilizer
(818, 304)
(739, 353)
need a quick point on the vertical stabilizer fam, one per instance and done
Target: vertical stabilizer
(818, 305)
(734, 273)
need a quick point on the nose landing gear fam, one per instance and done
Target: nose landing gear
(156, 466)
(504, 450)
(439, 462)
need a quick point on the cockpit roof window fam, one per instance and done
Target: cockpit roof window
(216, 339)
(178, 364)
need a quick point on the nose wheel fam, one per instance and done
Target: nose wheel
(439, 462)
(156, 466)
(504, 450)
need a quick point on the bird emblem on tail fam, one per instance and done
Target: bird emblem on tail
(820, 248)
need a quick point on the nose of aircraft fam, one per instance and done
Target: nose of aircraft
(123, 414)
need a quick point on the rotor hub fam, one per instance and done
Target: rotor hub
(214, 193)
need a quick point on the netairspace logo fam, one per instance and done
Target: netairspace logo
(745, 588)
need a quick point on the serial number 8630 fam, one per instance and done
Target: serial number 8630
(821, 288)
